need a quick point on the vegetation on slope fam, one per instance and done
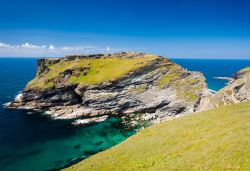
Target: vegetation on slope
(89, 71)
(236, 91)
(244, 70)
(216, 139)
(185, 86)
(101, 68)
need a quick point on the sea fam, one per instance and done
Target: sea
(35, 142)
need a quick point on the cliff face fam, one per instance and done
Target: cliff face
(141, 86)
(237, 90)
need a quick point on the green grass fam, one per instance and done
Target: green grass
(172, 75)
(98, 70)
(166, 79)
(189, 94)
(102, 70)
(185, 86)
(217, 139)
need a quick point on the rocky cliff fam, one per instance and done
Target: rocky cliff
(236, 91)
(92, 87)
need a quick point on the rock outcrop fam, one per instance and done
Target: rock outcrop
(236, 91)
(136, 85)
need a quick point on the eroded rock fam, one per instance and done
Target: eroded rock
(237, 90)
(154, 91)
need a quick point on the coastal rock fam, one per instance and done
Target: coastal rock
(90, 120)
(150, 87)
(237, 90)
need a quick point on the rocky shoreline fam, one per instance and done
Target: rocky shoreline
(152, 89)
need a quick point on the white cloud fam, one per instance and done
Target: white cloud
(51, 47)
(28, 45)
(3, 45)
(32, 50)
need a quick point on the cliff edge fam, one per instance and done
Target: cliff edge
(92, 87)
(236, 91)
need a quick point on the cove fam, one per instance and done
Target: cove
(35, 142)
(47, 144)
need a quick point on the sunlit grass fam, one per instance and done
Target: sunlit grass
(98, 70)
(108, 69)
(217, 139)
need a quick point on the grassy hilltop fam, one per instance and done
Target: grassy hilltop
(145, 87)
(217, 139)
(90, 70)
(102, 68)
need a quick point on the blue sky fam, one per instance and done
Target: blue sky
(176, 28)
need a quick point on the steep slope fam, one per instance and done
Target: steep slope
(141, 86)
(237, 90)
(216, 139)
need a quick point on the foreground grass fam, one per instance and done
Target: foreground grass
(217, 139)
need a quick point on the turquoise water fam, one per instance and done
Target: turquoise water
(35, 142)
